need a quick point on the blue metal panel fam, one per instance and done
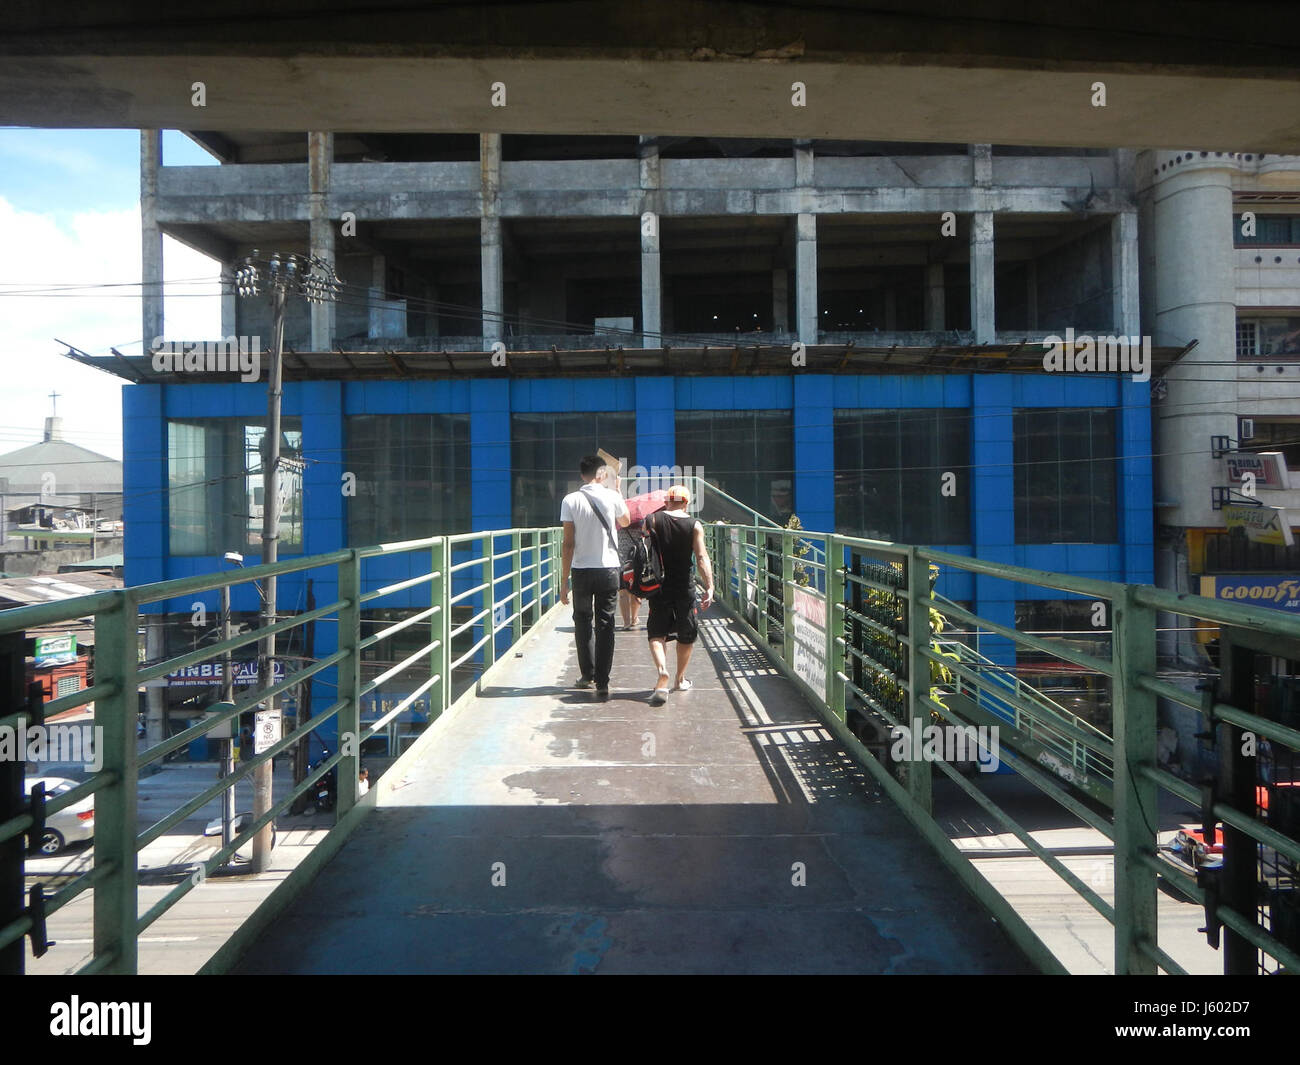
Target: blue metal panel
(656, 430)
(814, 450)
(993, 500)
(1136, 498)
(324, 448)
(1063, 390)
(490, 459)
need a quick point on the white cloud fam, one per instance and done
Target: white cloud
(42, 250)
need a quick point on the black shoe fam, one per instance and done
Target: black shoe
(584, 682)
(602, 694)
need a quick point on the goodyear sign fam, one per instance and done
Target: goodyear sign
(1277, 590)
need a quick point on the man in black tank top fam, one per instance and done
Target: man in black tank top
(672, 612)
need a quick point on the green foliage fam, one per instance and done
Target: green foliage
(799, 550)
(886, 609)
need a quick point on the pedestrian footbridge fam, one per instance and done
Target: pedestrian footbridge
(764, 821)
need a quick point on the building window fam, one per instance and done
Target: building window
(1077, 624)
(1231, 552)
(412, 477)
(891, 475)
(545, 451)
(67, 686)
(215, 498)
(1277, 434)
(1270, 229)
(748, 454)
(1065, 476)
(1263, 338)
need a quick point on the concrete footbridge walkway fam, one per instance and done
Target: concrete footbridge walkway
(763, 821)
(546, 832)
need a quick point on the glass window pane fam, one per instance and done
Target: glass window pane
(890, 468)
(412, 476)
(748, 454)
(545, 452)
(214, 468)
(1065, 476)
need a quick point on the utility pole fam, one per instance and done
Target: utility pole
(228, 744)
(316, 280)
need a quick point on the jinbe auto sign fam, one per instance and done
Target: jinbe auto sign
(1276, 590)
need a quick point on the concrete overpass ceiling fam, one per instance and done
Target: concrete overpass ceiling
(1177, 74)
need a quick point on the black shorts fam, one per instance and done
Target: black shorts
(672, 614)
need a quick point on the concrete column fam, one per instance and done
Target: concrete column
(780, 300)
(981, 164)
(155, 712)
(651, 268)
(378, 289)
(320, 164)
(490, 237)
(1124, 273)
(229, 301)
(151, 249)
(934, 297)
(803, 163)
(981, 276)
(806, 277)
(1194, 299)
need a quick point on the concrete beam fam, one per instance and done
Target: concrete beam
(986, 71)
(215, 144)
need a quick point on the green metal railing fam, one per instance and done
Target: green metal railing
(515, 575)
(849, 620)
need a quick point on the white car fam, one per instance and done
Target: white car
(71, 824)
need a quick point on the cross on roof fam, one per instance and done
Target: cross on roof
(55, 397)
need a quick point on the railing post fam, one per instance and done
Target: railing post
(549, 587)
(834, 626)
(1136, 815)
(439, 628)
(918, 673)
(115, 905)
(517, 588)
(489, 597)
(761, 582)
(349, 715)
(787, 597)
(721, 564)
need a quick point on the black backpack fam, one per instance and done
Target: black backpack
(643, 564)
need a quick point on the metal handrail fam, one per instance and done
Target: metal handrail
(754, 554)
(119, 673)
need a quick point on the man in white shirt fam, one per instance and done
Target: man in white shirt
(590, 553)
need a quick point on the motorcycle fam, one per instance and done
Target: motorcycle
(324, 792)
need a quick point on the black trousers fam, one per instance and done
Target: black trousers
(595, 592)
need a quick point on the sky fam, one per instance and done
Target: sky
(70, 215)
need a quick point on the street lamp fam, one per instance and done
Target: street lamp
(314, 279)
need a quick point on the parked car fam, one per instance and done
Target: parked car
(69, 825)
